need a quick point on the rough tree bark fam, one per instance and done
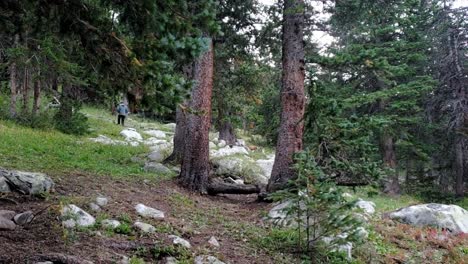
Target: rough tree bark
(292, 95)
(13, 84)
(179, 136)
(25, 90)
(37, 98)
(195, 166)
(226, 132)
(390, 161)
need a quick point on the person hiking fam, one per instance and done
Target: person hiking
(122, 112)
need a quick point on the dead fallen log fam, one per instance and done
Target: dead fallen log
(218, 186)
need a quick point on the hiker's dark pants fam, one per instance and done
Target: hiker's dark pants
(120, 119)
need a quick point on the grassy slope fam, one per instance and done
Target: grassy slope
(54, 152)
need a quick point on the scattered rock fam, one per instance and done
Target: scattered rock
(101, 201)
(130, 134)
(156, 156)
(221, 144)
(73, 216)
(144, 227)
(24, 218)
(7, 214)
(212, 145)
(347, 195)
(107, 141)
(207, 260)
(241, 142)
(94, 207)
(6, 224)
(170, 260)
(156, 168)
(170, 126)
(366, 206)
(155, 133)
(214, 242)
(450, 217)
(235, 181)
(180, 241)
(154, 141)
(27, 182)
(110, 223)
(4, 188)
(344, 248)
(228, 151)
(149, 212)
(239, 167)
(267, 166)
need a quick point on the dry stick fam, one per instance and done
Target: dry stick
(38, 212)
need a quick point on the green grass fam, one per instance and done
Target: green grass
(50, 151)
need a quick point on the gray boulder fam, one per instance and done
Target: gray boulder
(149, 212)
(366, 206)
(110, 223)
(239, 167)
(450, 217)
(155, 133)
(156, 156)
(7, 214)
(130, 134)
(170, 126)
(157, 168)
(144, 227)
(227, 151)
(6, 224)
(73, 216)
(24, 218)
(180, 241)
(207, 260)
(102, 201)
(94, 207)
(4, 188)
(27, 182)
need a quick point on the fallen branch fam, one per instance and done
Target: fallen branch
(217, 186)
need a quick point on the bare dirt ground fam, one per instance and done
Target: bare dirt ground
(231, 219)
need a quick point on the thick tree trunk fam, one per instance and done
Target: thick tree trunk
(292, 96)
(179, 136)
(195, 167)
(37, 98)
(13, 84)
(390, 161)
(227, 133)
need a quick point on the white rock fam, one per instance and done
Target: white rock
(170, 126)
(267, 166)
(149, 212)
(451, 217)
(346, 195)
(130, 134)
(74, 216)
(207, 260)
(94, 207)
(110, 223)
(170, 260)
(6, 224)
(144, 227)
(180, 241)
(221, 144)
(366, 206)
(24, 218)
(239, 167)
(241, 142)
(344, 248)
(107, 141)
(213, 241)
(7, 214)
(156, 168)
(4, 188)
(212, 145)
(101, 201)
(154, 141)
(228, 151)
(156, 156)
(155, 133)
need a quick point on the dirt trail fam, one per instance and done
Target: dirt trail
(194, 217)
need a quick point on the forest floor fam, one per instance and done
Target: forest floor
(83, 170)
